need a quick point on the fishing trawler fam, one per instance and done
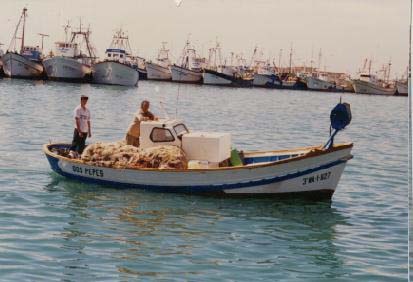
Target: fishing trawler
(160, 70)
(319, 82)
(369, 83)
(118, 66)
(1, 63)
(139, 64)
(70, 62)
(213, 167)
(402, 88)
(25, 63)
(190, 69)
(216, 73)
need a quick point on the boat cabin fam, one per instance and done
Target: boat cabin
(33, 53)
(368, 77)
(117, 55)
(66, 49)
(210, 147)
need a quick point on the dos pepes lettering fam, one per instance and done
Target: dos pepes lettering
(88, 171)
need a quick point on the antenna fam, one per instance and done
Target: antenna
(177, 101)
(42, 35)
(163, 109)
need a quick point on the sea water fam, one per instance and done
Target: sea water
(55, 229)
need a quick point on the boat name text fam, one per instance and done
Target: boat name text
(88, 171)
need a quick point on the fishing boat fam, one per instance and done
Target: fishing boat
(118, 67)
(72, 60)
(139, 64)
(401, 88)
(216, 73)
(1, 63)
(318, 82)
(266, 78)
(160, 69)
(25, 63)
(314, 170)
(369, 84)
(190, 69)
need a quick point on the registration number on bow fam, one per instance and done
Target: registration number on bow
(316, 178)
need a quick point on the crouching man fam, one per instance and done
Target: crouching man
(82, 130)
(133, 133)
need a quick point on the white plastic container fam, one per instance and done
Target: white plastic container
(213, 147)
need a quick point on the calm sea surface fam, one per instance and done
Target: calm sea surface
(54, 229)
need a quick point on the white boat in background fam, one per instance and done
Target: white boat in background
(214, 168)
(139, 64)
(265, 77)
(70, 62)
(319, 83)
(370, 84)
(216, 73)
(160, 70)
(1, 63)
(118, 67)
(27, 63)
(402, 88)
(190, 70)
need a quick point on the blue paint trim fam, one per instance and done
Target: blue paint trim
(254, 160)
(190, 189)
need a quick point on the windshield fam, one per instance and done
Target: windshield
(180, 129)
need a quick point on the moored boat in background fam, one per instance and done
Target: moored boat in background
(216, 73)
(118, 67)
(1, 62)
(27, 63)
(319, 83)
(160, 69)
(70, 62)
(190, 69)
(402, 88)
(370, 84)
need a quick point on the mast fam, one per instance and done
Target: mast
(388, 72)
(279, 60)
(291, 57)
(66, 28)
(319, 60)
(369, 66)
(24, 25)
(42, 35)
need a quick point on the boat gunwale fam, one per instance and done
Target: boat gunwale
(310, 154)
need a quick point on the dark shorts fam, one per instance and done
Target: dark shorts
(78, 143)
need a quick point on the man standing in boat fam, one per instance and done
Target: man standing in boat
(82, 130)
(132, 136)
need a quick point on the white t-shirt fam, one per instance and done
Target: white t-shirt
(84, 117)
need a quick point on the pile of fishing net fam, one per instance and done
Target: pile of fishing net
(120, 155)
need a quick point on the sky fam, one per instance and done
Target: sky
(346, 31)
